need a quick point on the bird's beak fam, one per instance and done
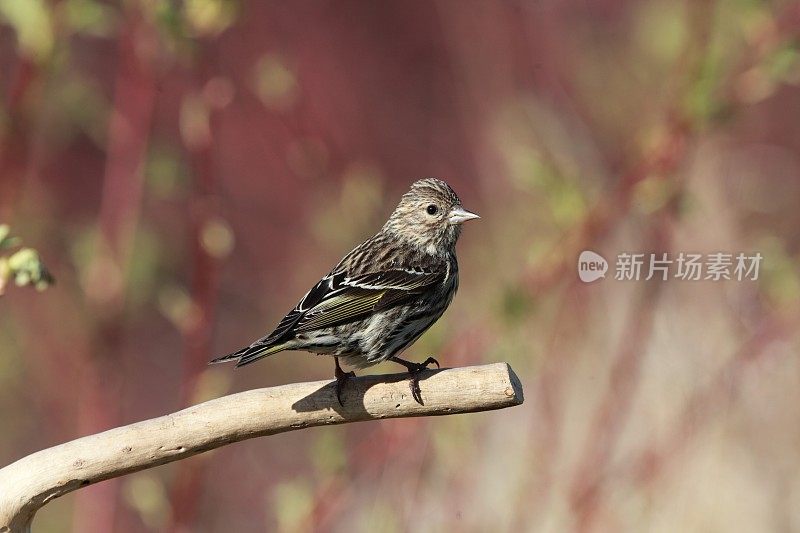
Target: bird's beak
(459, 215)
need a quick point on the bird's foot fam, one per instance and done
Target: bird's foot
(341, 379)
(414, 369)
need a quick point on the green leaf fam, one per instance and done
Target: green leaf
(33, 22)
(90, 17)
(27, 269)
(6, 240)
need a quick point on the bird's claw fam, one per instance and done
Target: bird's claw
(341, 379)
(413, 381)
(429, 361)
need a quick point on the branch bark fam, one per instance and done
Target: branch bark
(31, 482)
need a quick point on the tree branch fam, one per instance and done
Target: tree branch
(31, 482)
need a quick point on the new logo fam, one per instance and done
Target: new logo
(591, 266)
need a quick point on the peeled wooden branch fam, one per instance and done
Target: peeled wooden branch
(31, 482)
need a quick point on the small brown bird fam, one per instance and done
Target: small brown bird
(383, 295)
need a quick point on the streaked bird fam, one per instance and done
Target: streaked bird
(383, 295)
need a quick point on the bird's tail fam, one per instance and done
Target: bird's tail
(250, 354)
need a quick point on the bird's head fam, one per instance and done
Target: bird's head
(429, 216)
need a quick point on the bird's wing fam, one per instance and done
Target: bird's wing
(324, 288)
(349, 299)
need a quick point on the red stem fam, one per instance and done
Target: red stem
(188, 485)
(15, 141)
(128, 135)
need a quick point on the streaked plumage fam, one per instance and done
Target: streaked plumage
(384, 294)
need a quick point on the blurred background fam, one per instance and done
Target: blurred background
(188, 168)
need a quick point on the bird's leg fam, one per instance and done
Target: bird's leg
(414, 369)
(341, 379)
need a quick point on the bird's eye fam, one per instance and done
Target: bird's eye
(432, 209)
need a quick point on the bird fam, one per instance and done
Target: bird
(383, 295)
